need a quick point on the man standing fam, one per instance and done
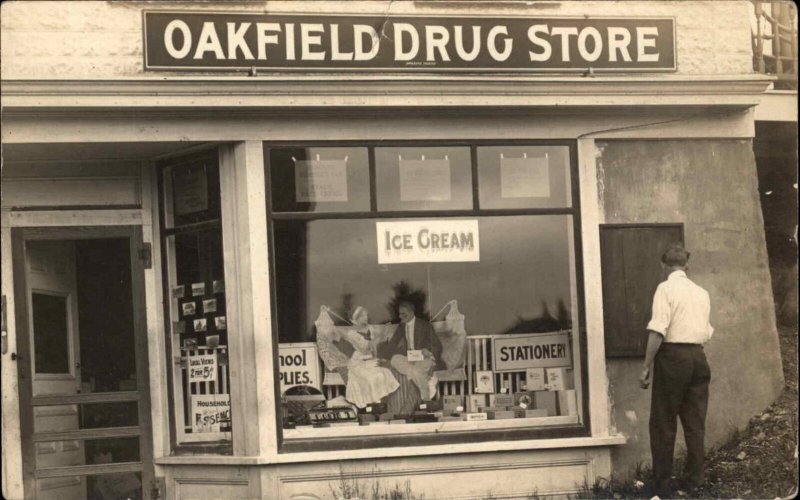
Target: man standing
(414, 350)
(677, 366)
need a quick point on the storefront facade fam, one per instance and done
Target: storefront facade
(243, 182)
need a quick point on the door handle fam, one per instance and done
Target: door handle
(15, 356)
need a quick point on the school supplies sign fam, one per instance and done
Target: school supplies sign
(248, 41)
(531, 350)
(439, 240)
(210, 412)
(298, 364)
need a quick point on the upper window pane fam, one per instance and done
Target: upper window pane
(194, 189)
(50, 333)
(319, 179)
(423, 178)
(524, 177)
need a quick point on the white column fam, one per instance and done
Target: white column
(244, 233)
(591, 218)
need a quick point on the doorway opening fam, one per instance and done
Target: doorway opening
(83, 372)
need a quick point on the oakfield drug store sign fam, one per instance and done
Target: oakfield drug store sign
(222, 41)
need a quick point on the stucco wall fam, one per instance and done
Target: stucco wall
(102, 40)
(711, 187)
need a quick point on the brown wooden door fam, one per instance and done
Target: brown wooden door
(631, 269)
(82, 363)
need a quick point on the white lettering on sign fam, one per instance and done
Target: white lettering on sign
(237, 40)
(298, 364)
(320, 180)
(428, 241)
(524, 177)
(531, 350)
(210, 412)
(202, 368)
(425, 180)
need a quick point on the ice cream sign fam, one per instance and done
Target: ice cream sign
(428, 241)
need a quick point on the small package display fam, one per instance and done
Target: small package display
(431, 405)
(525, 413)
(386, 417)
(534, 379)
(546, 400)
(450, 418)
(366, 418)
(557, 379)
(500, 415)
(397, 421)
(524, 399)
(567, 403)
(501, 400)
(484, 381)
(451, 403)
(476, 401)
(471, 417)
(421, 416)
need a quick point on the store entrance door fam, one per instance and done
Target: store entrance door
(82, 363)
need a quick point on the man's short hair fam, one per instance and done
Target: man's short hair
(675, 255)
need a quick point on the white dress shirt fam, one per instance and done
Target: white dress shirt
(681, 311)
(410, 334)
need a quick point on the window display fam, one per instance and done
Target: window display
(192, 245)
(447, 323)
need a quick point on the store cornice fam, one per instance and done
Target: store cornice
(331, 91)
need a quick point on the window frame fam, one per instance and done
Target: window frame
(581, 429)
(177, 437)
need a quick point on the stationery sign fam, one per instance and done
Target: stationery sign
(400, 242)
(253, 41)
(513, 353)
(298, 364)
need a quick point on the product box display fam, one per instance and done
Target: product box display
(476, 401)
(385, 417)
(525, 413)
(534, 379)
(557, 379)
(484, 381)
(421, 417)
(524, 399)
(431, 405)
(567, 403)
(500, 400)
(397, 421)
(451, 403)
(474, 416)
(381, 422)
(366, 418)
(487, 409)
(450, 419)
(500, 415)
(546, 400)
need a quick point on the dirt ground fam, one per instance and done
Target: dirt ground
(759, 462)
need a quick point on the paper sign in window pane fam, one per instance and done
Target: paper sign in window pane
(320, 180)
(203, 368)
(425, 180)
(524, 177)
(210, 412)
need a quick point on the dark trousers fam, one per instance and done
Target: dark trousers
(680, 389)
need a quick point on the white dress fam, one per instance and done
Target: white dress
(366, 381)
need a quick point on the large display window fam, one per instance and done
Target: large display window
(451, 303)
